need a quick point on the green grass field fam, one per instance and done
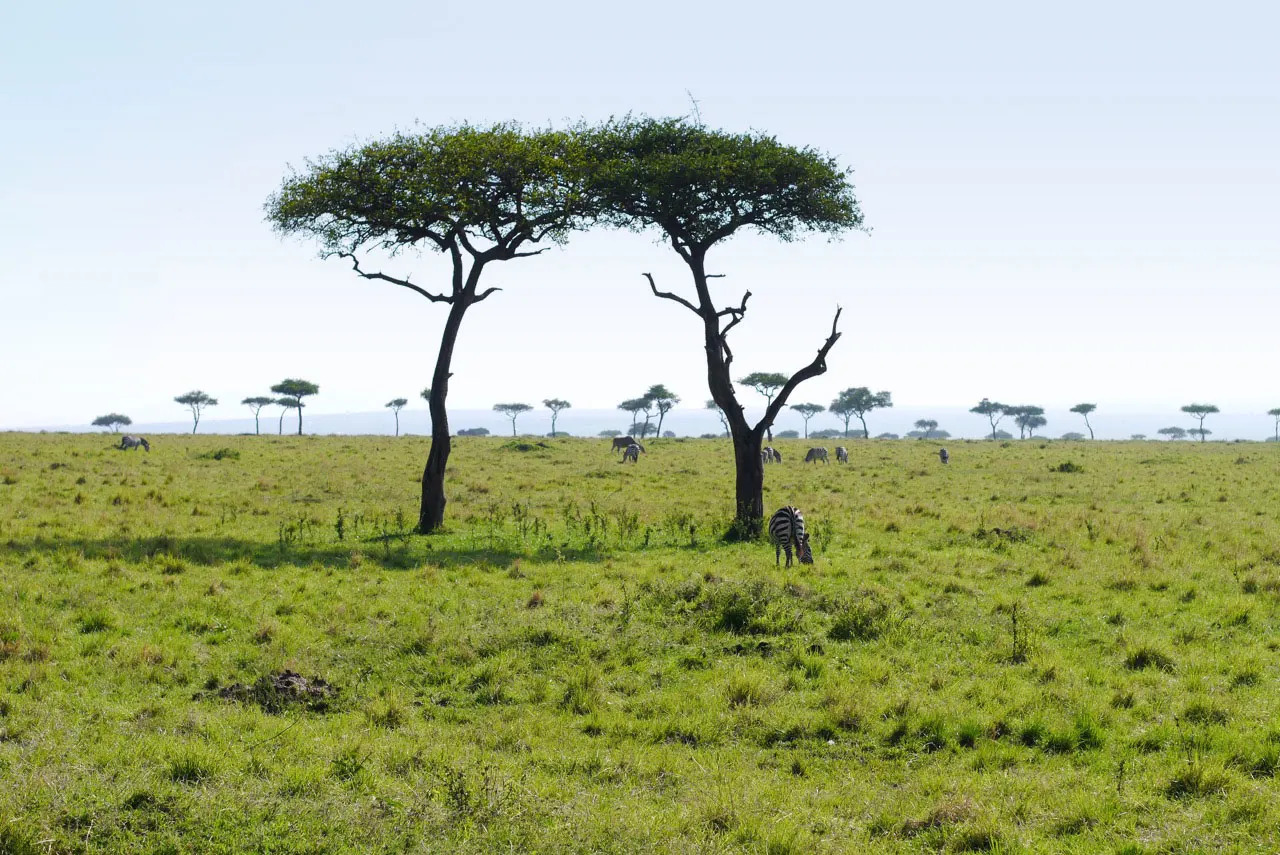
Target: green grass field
(994, 655)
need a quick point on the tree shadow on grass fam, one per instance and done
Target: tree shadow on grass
(391, 553)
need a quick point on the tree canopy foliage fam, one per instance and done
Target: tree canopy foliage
(1200, 412)
(476, 194)
(858, 401)
(114, 421)
(196, 401)
(513, 412)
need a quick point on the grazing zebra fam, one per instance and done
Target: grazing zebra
(943, 456)
(133, 442)
(816, 454)
(632, 453)
(842, 454)
(786, 528)
(777, 458)
(768, 454)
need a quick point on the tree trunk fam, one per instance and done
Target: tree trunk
(397, 423)
(280, 426)
(299, 418)
(196, 425)
(748, 520)
(256, 430)
(866, 434)
(1089, 426)
(431, 513)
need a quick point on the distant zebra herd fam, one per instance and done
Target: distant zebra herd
(786, 526)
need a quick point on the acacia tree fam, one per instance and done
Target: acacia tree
(296, 390)
(993, 410)
(555, 405)
(635, 406)
(767, 384)
(396, 405)
(808, 411)
(114, 421)
(1027, 417)
(197, 401)
(699, 187)
(286, 405)
(926, 427)
(858, 401)
(712, 405)
(1200, 411)
(477, 195)
(1200, 432)
(1173, 432)
(512, 411)
(256, 404)
(663, 399)
(1085, 410)
(1276, 415)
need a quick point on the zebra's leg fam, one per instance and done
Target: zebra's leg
(777, 554)
(788, 549)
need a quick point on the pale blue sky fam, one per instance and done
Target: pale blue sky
(1068, 204)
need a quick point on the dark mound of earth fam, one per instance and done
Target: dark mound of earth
(280, 689)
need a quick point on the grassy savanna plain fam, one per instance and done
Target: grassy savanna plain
(1044, 646)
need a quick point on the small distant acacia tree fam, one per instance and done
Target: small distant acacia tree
(641, 429)
(608, 434)
(1138, 436)
(636, 406)
(1173, 432)
(1027, 417)
(807, 411)
(1200, 432)
(1275, 414)
(1085, 410)
(114, 421)
(555, 405)
(766, 383)
(256, 404)
(993, 410)
(858, 401)
(478, 195)
(700, 187)
(663, 399)
(1200, 411)
(396, 405)
(712, 405)
(286, 405)
(196, 401)
(926, 427)
(297, 390)
(512, 411)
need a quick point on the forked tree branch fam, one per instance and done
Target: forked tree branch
(435, 298)
(667, 295)
(813, 369)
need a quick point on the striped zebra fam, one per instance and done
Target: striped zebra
(786, 529)
(842, 454)
(816, 454)
(943, 456)
(632, 453)
(768, 454)
(127, 442)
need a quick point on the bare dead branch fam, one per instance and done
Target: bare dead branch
(813, 369)
(667, 295)
(405, 283)
(484, 294)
